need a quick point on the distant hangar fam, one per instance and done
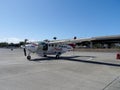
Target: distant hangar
(99, 42)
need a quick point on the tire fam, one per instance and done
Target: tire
(29, 57)
(45, 55)
(57, 56)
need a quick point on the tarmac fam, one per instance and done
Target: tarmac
(73, 71)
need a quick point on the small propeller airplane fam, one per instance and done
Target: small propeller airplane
(44, 48)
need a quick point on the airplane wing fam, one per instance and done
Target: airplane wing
(68, 41)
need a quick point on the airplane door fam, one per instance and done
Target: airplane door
(42, 48)
(45, 47)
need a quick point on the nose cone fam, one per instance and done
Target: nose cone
(28, 45)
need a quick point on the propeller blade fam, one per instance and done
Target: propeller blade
(24, 51)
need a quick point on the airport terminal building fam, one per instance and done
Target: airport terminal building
(109, 42)
(99, 42)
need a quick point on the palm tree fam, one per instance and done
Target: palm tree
(25, 40)
(54, 38)
(75, 37)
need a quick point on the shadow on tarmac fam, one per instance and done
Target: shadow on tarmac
(95, 62)
(73, 58)
(52, 58)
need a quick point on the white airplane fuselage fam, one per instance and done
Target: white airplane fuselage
(46, 48)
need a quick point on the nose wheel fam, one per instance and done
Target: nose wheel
(29, 57)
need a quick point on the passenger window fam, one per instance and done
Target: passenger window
(52, 45)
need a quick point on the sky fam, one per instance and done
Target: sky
(64, 19)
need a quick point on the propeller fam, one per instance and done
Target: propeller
(24, 49)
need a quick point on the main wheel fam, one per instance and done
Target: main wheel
(29, 57)
(45, 55)
(57, 56)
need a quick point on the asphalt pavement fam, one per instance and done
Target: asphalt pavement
(73, 71)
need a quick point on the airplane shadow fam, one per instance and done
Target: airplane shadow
(52, 58)
(95, 62)
(75, 58)
(43, 59)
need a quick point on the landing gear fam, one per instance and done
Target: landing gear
(58, 55)
(29, 57)
(45, 55)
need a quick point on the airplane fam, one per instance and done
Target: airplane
(44, 48)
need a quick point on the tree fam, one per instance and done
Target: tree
(54, 38)
(3, 44)
(21, 43)
(26, 40)
(75, 37)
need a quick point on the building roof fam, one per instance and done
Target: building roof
(106, 37)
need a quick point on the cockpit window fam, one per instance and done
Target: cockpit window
(41, 43)
(44, 45)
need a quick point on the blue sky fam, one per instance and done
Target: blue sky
(44, 19)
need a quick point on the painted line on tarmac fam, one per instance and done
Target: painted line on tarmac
(90, 58)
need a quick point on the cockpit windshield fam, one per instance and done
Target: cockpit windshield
(43, 45)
